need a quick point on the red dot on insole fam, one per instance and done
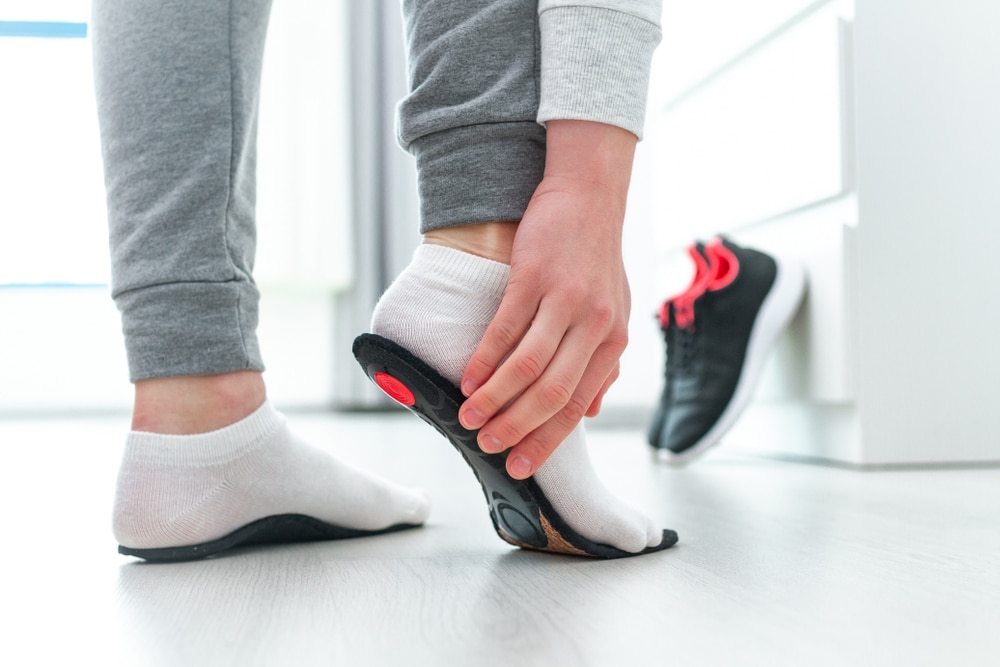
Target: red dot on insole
(397, 390)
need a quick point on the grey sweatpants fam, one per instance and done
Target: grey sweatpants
(177, 87)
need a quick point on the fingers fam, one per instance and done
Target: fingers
(530, 346)
(504, 333)
(595, 406)
(541, 418)
(534, 449)
(524, 368)
(559, 367)
(552, 386)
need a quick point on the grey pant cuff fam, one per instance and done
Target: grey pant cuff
(478, 173)
(190, 329)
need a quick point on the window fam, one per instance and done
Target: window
(60, 342)
(52, 209)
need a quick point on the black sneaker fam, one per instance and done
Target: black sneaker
(718, 333)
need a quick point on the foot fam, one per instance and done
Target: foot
(438, 309)
(189, 495)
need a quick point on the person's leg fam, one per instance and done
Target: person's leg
(177, 87)
(470, 123)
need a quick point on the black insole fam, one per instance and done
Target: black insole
(521, 513)
(277, 529)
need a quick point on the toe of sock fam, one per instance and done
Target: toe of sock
(416, 507)
(398, 504)
(654, 534)
(638, 535)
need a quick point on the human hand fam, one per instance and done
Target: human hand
(563, 322)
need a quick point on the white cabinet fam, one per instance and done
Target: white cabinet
(864, 138)
(758, 139)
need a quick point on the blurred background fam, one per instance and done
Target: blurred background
(859, 136)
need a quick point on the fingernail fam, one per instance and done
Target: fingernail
(469, 388)
(519, 467)
(489, 444)
(472, 419)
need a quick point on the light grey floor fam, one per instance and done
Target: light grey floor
(778, 564)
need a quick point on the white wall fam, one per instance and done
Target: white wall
(928, 101)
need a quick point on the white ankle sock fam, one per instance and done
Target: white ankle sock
(438, 308)
(181, 490)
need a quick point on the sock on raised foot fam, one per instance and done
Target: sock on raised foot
(179, 490)
(439, 308)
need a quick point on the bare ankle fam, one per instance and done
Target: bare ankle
(196, 404)
(492, 240)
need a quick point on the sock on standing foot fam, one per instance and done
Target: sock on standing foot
(439, 308)
(180, 490)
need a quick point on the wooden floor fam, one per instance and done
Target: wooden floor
(778, 564)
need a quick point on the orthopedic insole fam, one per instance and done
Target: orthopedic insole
(521, 513)
(277, 529)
